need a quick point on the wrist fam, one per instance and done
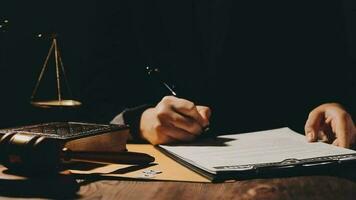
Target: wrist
(132, 117)
(144, 127)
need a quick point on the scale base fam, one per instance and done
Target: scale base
(56, 103)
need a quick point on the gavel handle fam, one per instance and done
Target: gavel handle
(133, 158)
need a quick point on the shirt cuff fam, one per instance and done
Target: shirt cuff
(132, 117)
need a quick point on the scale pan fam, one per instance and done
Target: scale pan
(56, 103)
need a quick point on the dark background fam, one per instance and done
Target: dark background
(23, 54)
(78, 24)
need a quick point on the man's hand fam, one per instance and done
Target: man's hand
(173, 120)
(332, 124)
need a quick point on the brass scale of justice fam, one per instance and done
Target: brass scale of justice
(59, 102)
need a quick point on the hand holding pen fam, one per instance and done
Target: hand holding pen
(173, 119)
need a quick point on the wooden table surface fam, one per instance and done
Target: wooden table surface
(318, 187)
(340, 185)
(316, 183)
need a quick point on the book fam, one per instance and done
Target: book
(241, 155)
(49, 148)
(79, 136)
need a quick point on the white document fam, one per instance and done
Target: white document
(272, 146)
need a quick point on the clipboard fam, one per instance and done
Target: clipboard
(288, 166)
(334, 158)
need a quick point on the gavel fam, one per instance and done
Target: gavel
(26, 152)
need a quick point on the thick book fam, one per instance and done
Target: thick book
(244, 155)
(53, 147)
(79, 136)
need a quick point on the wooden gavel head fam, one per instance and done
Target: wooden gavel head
(35, 154)
(27, 152)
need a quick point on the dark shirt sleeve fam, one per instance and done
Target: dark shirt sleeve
(131, 117)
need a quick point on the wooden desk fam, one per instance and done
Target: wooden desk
(341, 185)
(306, 187)
(333, 185)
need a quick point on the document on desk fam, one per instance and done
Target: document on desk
(256, 150)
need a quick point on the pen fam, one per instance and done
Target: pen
(127, 157)
(155, 73)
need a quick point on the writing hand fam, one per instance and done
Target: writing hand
(332, 124)
(173, 120)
